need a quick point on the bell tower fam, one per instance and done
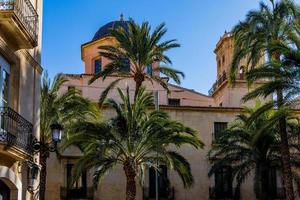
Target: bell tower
(225, 94)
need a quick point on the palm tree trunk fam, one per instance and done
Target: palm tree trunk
(130, 184)
(43, 174)
(138, 85)
(285, 153)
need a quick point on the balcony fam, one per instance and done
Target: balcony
(217, 193)
(19, 23)
(221, 80)
(76, 193)
(164, 194)
(15, 132)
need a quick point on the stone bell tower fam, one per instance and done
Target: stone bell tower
(225, 94)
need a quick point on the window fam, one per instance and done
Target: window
(125, 65)
(70, 87)
(98, 66)
(79, 91)
(223, 59)
(80, 183)
(219, 127)
(4, 82)
(219, 63)
(241, 72)
(163, 182)
(223, 182)
(174, 102)
(149, 70)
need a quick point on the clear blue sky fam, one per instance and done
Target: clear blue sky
(197, 24)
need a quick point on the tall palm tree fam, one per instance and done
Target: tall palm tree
(143, 49)
(135, 138)
(253, 38)
(252, 145)
(57, 107)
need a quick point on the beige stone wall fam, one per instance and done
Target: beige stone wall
(113, 186)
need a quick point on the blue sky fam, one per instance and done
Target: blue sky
(197, 24)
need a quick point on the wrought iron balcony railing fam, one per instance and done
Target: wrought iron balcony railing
(221, 80)
(164, 194)
(219, 193)
(76, 193)
(15, 130)
(25, 12)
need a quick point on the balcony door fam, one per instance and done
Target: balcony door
(223, 182)
(162, 182)
(4, 191)
(4, 82)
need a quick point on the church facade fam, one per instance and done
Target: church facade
(208, 114)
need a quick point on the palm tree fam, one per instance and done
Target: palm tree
(135, 138)
(252, 145)
(56, 106)
(143, 49)
(253, 39)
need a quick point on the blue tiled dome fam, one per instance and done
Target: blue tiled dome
(104, 31)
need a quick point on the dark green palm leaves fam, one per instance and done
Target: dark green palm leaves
(143, 48)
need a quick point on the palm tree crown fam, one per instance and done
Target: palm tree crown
(253, 40)
(252, 144)
(56, 106)
(135, 139)
(143, 49)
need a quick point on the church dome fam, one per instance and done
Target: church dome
(104, 31)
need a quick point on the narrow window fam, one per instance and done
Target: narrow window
(219, 127)
(163, 182)
(125, 65)
(79, 188)
(174, 102)
(80, 183)
(223, 182)
(98, 66)
(149, 70)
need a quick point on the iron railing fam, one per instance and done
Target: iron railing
(76, 193)
(15, 130)
(221, 80)
(25, 12)
(164, 194)
(219, 193)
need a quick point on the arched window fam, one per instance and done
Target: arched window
(242, 72)
(149, 70)
(125, 65)
(98, 66)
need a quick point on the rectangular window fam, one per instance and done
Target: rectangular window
(174, 102)
(125, 65)
(223, 182)
(70, 87)
(79, 91)
(149, 70)
(219, 127)
(5, 88)
(98, 66)
(162, 182)
(80, 183)
(4, 81)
